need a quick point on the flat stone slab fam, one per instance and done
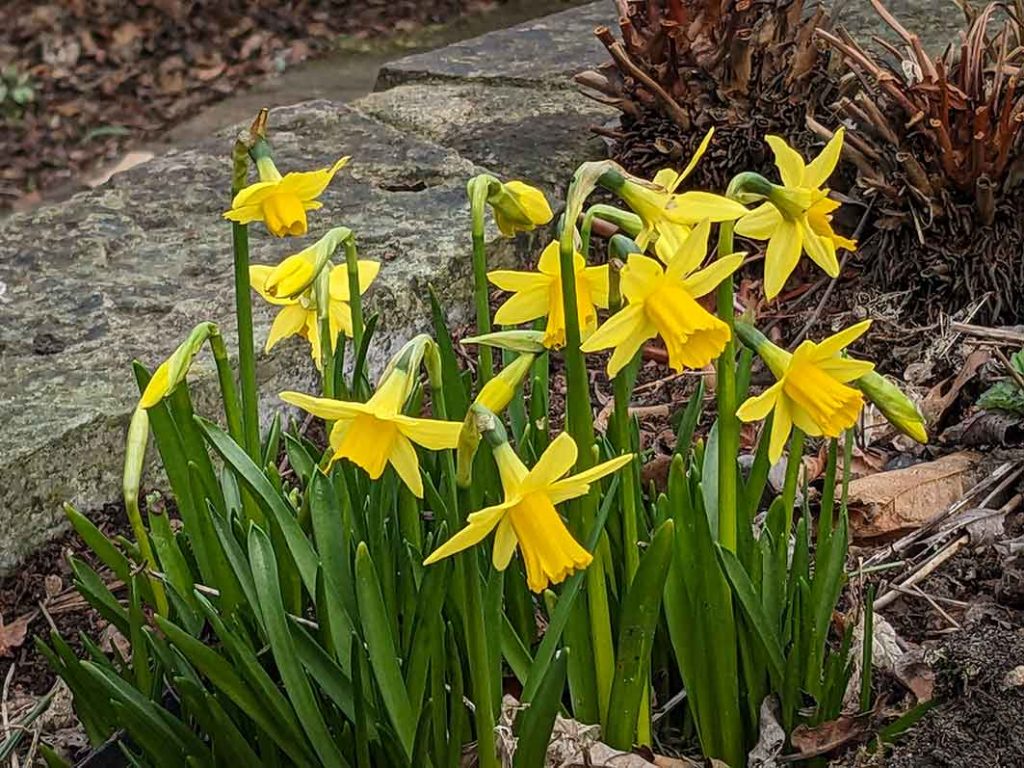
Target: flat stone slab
(124, 272)
(540, 136)
(545, 52)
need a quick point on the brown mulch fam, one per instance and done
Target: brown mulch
(104, 74)
(45, 581)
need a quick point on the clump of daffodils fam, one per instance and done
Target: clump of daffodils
(438, 457)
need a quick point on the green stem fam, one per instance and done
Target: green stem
(481, 298)
(581, 428)
(628, 222)
(355, 299)
(728, 424)
(228, 392)
(246, 349)
(468, 588)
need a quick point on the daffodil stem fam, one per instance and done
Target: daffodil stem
(355, 299)
(728, 424)
(628, 222)
(228, 392)
(581, 429)
(482, 674)
(246, 349)
(481, 299)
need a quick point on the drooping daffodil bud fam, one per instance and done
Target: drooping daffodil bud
(495, 396)
(280, 202)
(518, 207)
(172, 371)
(894, 405)
(513, 341)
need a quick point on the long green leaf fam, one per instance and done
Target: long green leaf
(269, 500)
(639, 618)
(380, 643)
(534, 723)
(275, 623)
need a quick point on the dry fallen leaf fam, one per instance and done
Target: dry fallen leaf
(944, 394)
(12, 635)
(811, 741)
(889, 503)
(918, 677)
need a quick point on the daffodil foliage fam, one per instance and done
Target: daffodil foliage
(344, 574)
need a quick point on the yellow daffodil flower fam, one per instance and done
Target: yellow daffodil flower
(298, 315)
(527, 518)
(518, 207)
(662, 301)
(539, 294)
(280, 201)
(667, 216)
(797, 217)
(376, 433)
(811, 390)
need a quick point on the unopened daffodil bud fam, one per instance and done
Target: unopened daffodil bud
(513, 341)
(518, 207)
(172, 371)
(495, 396)
(894, 405)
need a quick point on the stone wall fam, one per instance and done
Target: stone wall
(124, 271)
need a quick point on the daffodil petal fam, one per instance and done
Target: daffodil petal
(697, 155)
(760, 223)
(804, 422)
(706, 280)
(788, 161)
(691, 207)
(690, 254)
(597, 282)
(837, 342)
(640, 277)
(307, 185)
(821, 249)
(478, 525)
(245, 214)
(577, 485)
(406, 464)
(253, 195)
(287, 323)
(518, 282)
(432, 434)
(504, 544)
(339, 288)
(782, 425)
(844, 370)
(821, 167)
(325, 408)
(781, 257)
(524, 307)
(556, 460)
(624, 353)
(757, 408)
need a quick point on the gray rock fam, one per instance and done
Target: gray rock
(125, 271)
(936, 23)
(540, 53)
(537, 135)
